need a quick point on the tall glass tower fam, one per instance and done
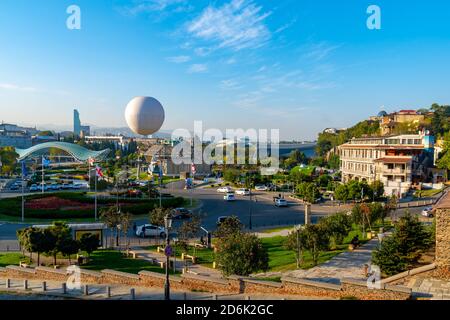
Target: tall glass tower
(76, 123)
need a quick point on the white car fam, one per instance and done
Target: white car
(224, 189)
(427, 212)
(243, 192)
(281, 203)
(261, 188)
(229, 197)
(150, 230)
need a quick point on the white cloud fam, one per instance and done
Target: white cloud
(198, 68)
(142, 6)
(236, 25)
(230, 84)
(179, 59)
(14, 87)
(319, 51)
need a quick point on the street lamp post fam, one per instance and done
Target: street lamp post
(250, 212)
(168, 253)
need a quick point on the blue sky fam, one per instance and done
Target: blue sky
(294, 65)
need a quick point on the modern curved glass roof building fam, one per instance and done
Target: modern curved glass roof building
(79, 153)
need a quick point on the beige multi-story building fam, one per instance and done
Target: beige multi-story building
(389, 122)
(397, 161)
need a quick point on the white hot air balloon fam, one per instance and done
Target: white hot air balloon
(144, 115)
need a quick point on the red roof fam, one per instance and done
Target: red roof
(407, 112)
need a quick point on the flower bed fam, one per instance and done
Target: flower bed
(52, 203)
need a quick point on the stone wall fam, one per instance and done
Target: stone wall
(443, 239)
(231, 285)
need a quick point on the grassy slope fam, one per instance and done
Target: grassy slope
(112, 259)
(11, 258)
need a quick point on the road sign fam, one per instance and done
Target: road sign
(168, 251)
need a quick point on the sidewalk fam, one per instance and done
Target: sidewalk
(120, 292)
(148, 255)
(348, 264)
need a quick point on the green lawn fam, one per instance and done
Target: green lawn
(307, 170)
(112, 259)
(282, 259)
(12, 258)
(276, 229)
(205, 256)
(426, 193)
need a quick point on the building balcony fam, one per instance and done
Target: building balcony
(396, 172)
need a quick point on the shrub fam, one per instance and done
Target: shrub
(404, 248)
(241, 254)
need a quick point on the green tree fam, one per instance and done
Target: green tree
(68, 246)
(295, 158)
(308, 191)
(228, 227)
(296, 242)
(404, 248)
(60, 233)
(231, 175)
(23, 236)
(188, 230)
(317, 240)
(41, 241)
(334, 162)
(89, 242)
(324, 180)
(342, 193)
(354, 190)
(337, 226)
(377, 189)
(440, 121)
(241, 254)
(8, 157)
(157, 216)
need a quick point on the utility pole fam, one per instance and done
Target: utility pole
(95, 194)
(43, 180)
(23, 198)
(250, 211)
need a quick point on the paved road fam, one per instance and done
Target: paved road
(263, 212)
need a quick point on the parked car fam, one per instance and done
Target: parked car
(281, 202)
(243, 192)
(14, 187)
(229, 197)
(149, 230)
(34, 188)
(224, 189)
(181, 213)
(261, 188)
(428, 212)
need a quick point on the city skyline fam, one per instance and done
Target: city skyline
(289, 65)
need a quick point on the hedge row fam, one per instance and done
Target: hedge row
(12, 207)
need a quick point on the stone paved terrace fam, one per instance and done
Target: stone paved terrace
(433, 289)
(349, 264)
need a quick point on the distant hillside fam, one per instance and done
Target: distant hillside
(327, 141)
